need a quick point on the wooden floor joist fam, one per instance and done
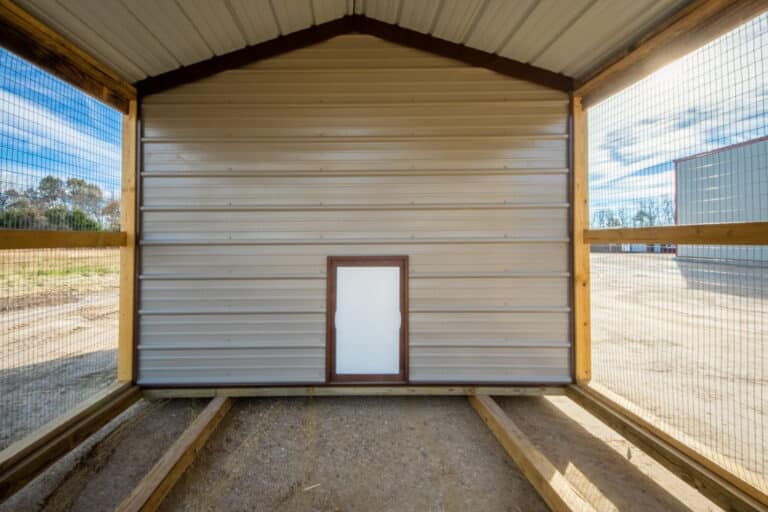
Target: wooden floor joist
(713, 484)
(156, 485)
(550, 483)
(25, 459)
(281, 391)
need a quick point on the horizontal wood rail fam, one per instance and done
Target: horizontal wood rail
(32, 239)
(155, 486)
(545, 478)
(737, 233)
(717, 483)
(34, 41)
(25, 459)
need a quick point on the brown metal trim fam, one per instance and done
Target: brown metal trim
(137, 245)
(353, 24)
(331, 377)
(570, 197)
(465, 54)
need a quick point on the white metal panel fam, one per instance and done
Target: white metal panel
(293, 15)
(543, 27)
(498, 21)
(112, 20)
(596, 24)
(101, 48)
(318, 153)
(256, 19)
(455, 18)
(588, 54)
(329, 10)
(165, 19)
(383, 10)
(215, 23)
(419, 15)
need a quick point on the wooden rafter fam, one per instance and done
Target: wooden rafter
(692, 27)
(24, 35)
(346, 25)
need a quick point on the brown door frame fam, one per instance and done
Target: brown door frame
(330, 329)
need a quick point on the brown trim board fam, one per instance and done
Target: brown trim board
(347, 25)
(330, 331)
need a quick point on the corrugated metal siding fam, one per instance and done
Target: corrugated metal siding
(253, 177)
(729, 185)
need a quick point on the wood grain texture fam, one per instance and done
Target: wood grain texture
(692, 27)
(581, 278)
(554, 489)
(127, 304)
(25, 459)
(32, 40)
(155, 486)
(39, 239)
(735, 233)
(720, 485)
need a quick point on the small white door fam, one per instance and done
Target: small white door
(368, 322)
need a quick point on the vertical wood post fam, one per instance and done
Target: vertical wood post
(125, 370)
(582, 325)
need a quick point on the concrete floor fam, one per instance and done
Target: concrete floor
(358, 453)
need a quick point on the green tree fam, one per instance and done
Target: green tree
(51, 190)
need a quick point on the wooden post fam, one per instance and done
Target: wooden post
(581, 308)
(125, 370)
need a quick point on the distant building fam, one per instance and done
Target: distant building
(725, 185)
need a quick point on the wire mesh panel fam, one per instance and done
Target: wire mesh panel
(679, 332)
(59, 170)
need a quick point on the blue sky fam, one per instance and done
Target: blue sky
(49, 127)
(713, 97)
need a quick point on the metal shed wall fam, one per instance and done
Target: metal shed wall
(726, 185)
(251, 178)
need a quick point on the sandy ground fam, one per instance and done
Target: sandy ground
(686, 345)
(359, 454)
(58, 333)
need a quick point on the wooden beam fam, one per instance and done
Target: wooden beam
(692, 27)
(34, 41)
(32, 239)
(26, 458)
(155, 486)
(717, 483)
(346, 25)
(156, 393)
(550, 484)
(582, 335)
(127, 307)
(736, 233)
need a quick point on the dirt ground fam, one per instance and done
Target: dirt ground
(58, 333)
(686, 346)
(359, 454)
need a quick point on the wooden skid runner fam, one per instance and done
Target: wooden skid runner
(28, 457)
(550, 484)
(723, 488)
(156, 485)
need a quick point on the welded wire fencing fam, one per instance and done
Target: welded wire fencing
(680, 332)
(59, 170)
